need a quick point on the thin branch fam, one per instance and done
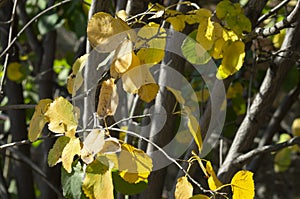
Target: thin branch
(272, 11)
(243, 159)
(30, 22)
(17, 107)
(8, 42)
(167, 156)
(285, 23)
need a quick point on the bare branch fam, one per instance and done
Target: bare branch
(17, 107)
(272, 11)
(243, 159)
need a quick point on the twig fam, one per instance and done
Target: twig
(17, 107)
(242, 159)
(285, 23)
(167, 156)
(272, 11)
(8, 42)
(31, 21)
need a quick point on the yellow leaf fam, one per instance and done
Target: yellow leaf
(206, 35)
(242, 185)
(296, 127)
(97, 183)
(54, 155)
(122, 15)
(233, 59)
(234, 90)
(108, 98)
(75, 79)
(16, 72)
(278, 38)
(184, 189)
(111, 146)
(103, 26)
(178, 22)
(123, 56)
(151, 46)
(134, 164)
(92, 144)
(195, 16)
(61, 116)
(38, 119)
(148, 92)
(177, 94)
(194, 128)
(137, 77)
(213, 181)
(71, 149)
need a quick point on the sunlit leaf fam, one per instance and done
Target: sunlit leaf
(97, 183)
(148, 92)
(71, 149)
(184, 188)
(55, 152)
(195, 16)
(134, 164)
(137, 77)
(38, 119)
(72, 182)
(213, 181)
(194, 128)
(108, 98)
(242, 185)
(111, 146)
(233, 59)
(122, 15)
(92, 144)
(75, 79)
(205, 34)
(102, 27)
(123, 57)
(177, 94)
(152, 42)
(278, 38)
(296, 127)
(61, 116)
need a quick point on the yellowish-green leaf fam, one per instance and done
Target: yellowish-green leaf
(75, 79)
(92, 144)
(152, 46)
(54, 155)
(16, 72)
(97, 183)
(233, 59)
(234, 90)
(296, 127)
(213, 181)
(225, 8)
(184, 188)
(71, 149)
(178, 22)
(200, 196)
(103, 26)
(108, 98)
(201, 96)
(282, 160)
(61, 116)
(206, 34)
(38, 119)
(148, 92)
(137, 77)
(242, 185)
(194, 128)
(134, 164)
(195, 16)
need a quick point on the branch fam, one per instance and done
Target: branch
(272, 11)
(17, 107)
(243, 159)
(285, 23)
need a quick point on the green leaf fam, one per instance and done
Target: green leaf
(127, 188)
(193, 51)
(56, 151)
(72, 182)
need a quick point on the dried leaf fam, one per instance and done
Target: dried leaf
(242, 185)
(184, 189)
(108, 98)
(38, 119)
